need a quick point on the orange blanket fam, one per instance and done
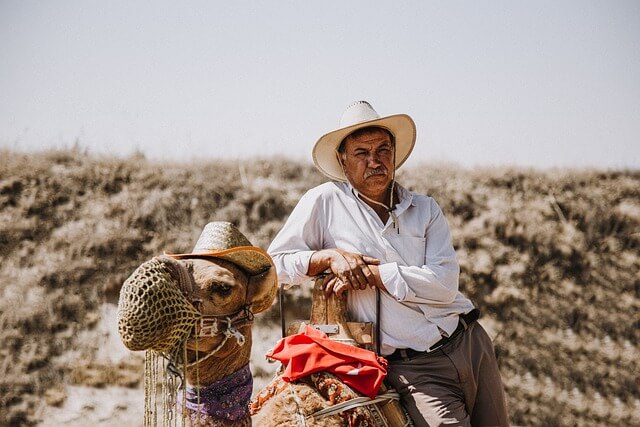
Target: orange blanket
(312, 351)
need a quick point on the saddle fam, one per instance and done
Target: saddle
(329, 315)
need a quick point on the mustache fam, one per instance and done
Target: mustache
(376, 171)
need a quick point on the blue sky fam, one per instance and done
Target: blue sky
(540, 84)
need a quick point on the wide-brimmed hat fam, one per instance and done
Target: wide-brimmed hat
(220, 239)
(360, 115)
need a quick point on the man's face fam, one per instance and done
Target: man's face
(368, 162)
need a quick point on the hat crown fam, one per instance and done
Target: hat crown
(358, 112)
(357, 116)
(220, 236)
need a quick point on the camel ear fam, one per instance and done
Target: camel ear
(262, 290)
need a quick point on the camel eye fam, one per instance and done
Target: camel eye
(220, 288)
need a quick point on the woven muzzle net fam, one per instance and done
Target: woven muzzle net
(155, 315)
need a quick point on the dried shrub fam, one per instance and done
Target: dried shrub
(551, 258)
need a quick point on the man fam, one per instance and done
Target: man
(369, 233)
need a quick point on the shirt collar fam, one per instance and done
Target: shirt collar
(405, 197)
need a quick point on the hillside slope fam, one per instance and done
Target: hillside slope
(551, 258)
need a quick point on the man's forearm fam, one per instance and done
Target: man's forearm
(319, 262)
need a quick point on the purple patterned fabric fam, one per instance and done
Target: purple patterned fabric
(227, 398)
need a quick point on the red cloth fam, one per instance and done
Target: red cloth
(311, 351)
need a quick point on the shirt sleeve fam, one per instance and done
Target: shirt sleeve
(298, 239)
(436, 281)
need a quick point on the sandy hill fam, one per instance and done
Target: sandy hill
(552, 258)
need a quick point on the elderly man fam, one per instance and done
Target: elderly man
(375, 237)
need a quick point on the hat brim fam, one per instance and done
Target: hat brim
(256, 262)
(252, 259)
(400, 125)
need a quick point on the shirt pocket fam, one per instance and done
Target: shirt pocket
(410, 250)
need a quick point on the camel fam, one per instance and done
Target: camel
(195, 311)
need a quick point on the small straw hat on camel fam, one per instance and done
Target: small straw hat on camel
(223, 240)
(360, 115)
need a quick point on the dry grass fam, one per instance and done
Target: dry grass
(552, 258)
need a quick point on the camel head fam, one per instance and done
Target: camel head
(221, 287)
(199, 305)
(227, 300)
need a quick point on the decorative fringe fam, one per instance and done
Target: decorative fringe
(170, 372)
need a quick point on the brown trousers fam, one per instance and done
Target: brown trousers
(457, 384)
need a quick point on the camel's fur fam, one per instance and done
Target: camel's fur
(283, 409)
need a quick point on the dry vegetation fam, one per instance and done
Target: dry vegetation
(552, 259)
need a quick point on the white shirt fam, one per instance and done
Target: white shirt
(418, 264)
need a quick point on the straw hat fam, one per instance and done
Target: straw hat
(359, 115)
(223, 240)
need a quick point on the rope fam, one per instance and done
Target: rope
(389, 208)
(354, 403)
(229, 332)
(378, 320)
(301, 418)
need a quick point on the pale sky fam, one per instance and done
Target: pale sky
(523, 83)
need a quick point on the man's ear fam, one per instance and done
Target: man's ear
(339, 157)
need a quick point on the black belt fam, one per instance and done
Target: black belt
(409, 353)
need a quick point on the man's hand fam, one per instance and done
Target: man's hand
(333, 284)
(348, 270)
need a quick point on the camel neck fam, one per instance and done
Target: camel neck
(227, 398)
(207, 368)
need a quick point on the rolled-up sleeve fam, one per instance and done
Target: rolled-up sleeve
(298, 239)
(292, 267)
